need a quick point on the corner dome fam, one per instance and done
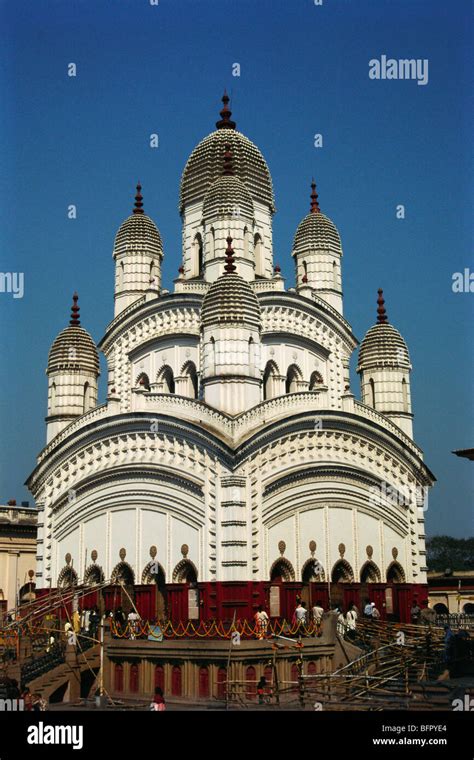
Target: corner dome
(204, 165)
(383, 346)
(225, 196)
(230, 299)
(138, 232)
(73, 349)
(316, 231)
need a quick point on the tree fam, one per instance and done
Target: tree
(447, 552)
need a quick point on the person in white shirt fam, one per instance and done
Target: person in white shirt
(368, 609)
(351, 621)
(301, 614)
(318, 612)
(261, 623)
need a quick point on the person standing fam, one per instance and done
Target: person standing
(415, 613)
(158, 703)
(351, 621)
(368, 609)
(318, 612)
(261, 622)
(375, 613)
(300, 615)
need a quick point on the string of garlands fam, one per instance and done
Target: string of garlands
(213, 629)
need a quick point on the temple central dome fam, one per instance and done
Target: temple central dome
(204, 165)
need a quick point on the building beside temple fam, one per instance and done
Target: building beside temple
(18, 525)
(231, 464)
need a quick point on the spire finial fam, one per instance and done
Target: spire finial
(138, 200)
(75, 311)
(225, 120)
(229, 257)
(381, 313)
(314, 208)
(228, 168)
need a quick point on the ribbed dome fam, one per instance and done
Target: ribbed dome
(204, 166)
(138, 232)
(73, 349)
(317, 231)
(230, 300)
(383, 346)
(228, 196)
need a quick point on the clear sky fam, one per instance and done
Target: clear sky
(304, 69)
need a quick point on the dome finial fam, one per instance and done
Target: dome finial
(314, 208)
(138, 200)
(75, 311)
(225, 120)
(229, 257)
(228, 168)
(381, 313)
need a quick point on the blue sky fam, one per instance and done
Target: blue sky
(145, 69)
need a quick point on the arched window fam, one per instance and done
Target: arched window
(342, 572)
(282, 570)
(185, 572)
(246, 242)
(251, 355)
(120, 273)
(212, 243)
(212, 357)
(441, 609)
(335, 283)
(53, 397)
(87, 398)
(269, 380)
(268, 674)
(123, 573)
(67, 577)
(176, 682)
(203, 683)
(118, 677)
(293, 375)
(312, 670)
(395, 573)
(295, 673)
(165, 380)
(197, 256)
(143, 381)
(370, 573)
(94, 574)
(405, 395)
(154, 573)
(313, 571)
(189, 370)
(315, 380)
(258, 253)
(305, 272)
(372, 393)
(160, 676)
(134, 679)
(251, 678)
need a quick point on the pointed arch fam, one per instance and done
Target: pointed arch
(212, 242)
(86, 398)
(269, 377)
(94, 574)
(369, 572)
(165, 380)
(308, 573)
(67, 577)
(120, 275)
(185, 572)
(246, 242)
(335, 278)
(293, 377)
(198, 261)
(123, 573)
(189, 371)
(405, 395)
(53, 397)
(143, 381)
(282, 568)
(150, 574)
(315, 380)
(395, 573)
(372, 393)
(342, 572)
(258, 254)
